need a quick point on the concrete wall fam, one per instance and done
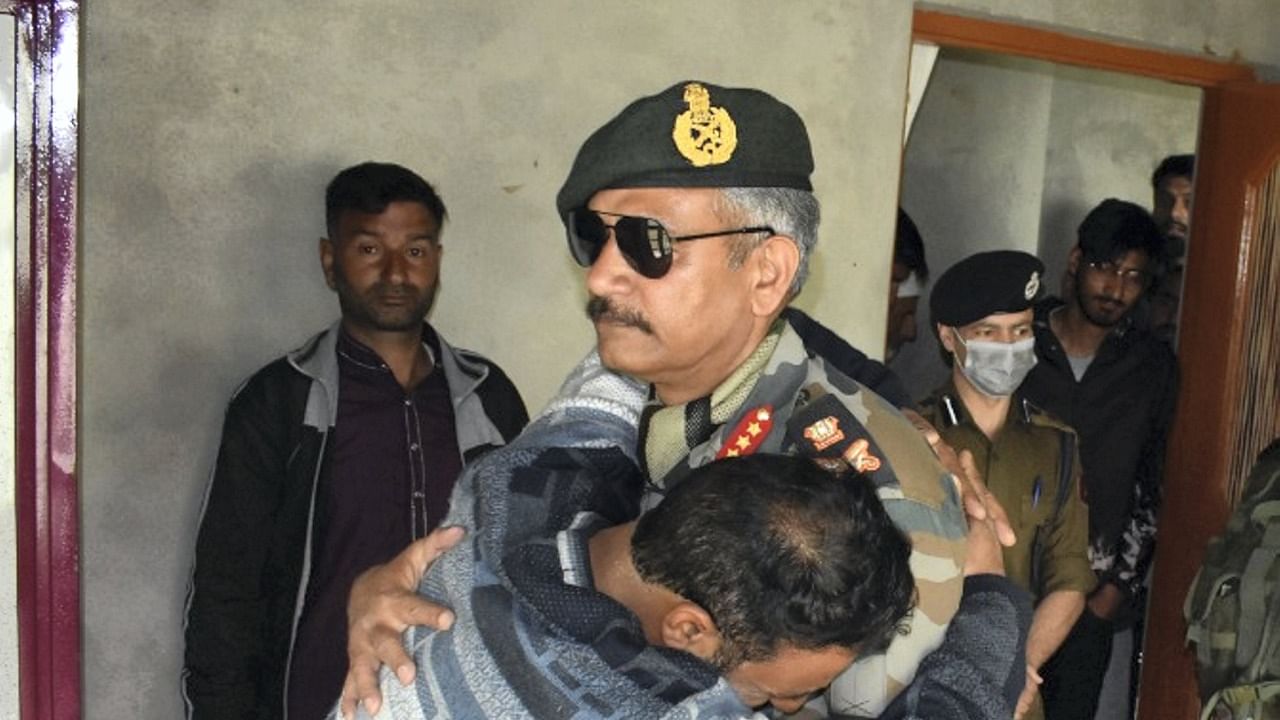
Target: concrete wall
(1008, 153)
(1107, 132)
(210, 130)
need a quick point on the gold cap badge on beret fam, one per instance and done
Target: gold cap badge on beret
(693, 134)
(703, 134)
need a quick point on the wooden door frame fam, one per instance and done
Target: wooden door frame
(1198, 460)
(1007, 38)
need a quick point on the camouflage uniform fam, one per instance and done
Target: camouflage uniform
(798, 404)
(782, 399)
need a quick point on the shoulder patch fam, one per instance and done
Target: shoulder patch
(825, 430)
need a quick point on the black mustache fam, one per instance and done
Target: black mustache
(398, 289)
(600, 308)
(1109, 303)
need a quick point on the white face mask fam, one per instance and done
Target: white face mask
(997, 368)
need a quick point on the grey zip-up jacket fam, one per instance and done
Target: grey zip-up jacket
(253, 551)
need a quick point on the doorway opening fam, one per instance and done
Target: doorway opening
(1010, 153)
(1229, 397)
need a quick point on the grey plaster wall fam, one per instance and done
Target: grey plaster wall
(210, 130)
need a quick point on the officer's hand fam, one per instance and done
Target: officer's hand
(382, 604)
(978, 501)
(982, 553)
(1029, 693)
(1106, 601)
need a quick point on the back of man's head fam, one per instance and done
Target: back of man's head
(1116, 227)
(371, 186)
(779, 552)
(1174, 166)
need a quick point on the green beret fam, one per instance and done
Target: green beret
(693, 134)
(1001, 281)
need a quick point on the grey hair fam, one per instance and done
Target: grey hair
(790, 212)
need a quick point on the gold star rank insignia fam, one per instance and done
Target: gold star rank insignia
(749, 434)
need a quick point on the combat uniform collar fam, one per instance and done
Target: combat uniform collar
(669, 432)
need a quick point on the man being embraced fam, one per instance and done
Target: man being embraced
(568, 607)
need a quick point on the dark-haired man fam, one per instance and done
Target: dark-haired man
(1116, 385)
(693, 214)
(1172, 187)
(568, 607)
(333, 457)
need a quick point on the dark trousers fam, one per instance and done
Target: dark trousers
(1073, 676)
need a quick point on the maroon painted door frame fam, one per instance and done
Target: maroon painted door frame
(47, 110)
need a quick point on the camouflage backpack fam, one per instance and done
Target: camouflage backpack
(1233, 607)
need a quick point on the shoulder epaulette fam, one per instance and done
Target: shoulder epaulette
(1036, 415)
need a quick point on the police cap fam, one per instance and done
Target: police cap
(693, 134)
(1001, 281)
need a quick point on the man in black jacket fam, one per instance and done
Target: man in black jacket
(1116, 384)
(333, 457)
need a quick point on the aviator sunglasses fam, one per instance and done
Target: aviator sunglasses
(643, 241)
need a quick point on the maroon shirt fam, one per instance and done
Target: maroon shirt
(392, 460)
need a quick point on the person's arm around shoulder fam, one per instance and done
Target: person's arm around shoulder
(979, 670)
(227, 607)
(383, 603)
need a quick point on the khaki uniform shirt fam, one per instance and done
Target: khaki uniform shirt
(1023, 467)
